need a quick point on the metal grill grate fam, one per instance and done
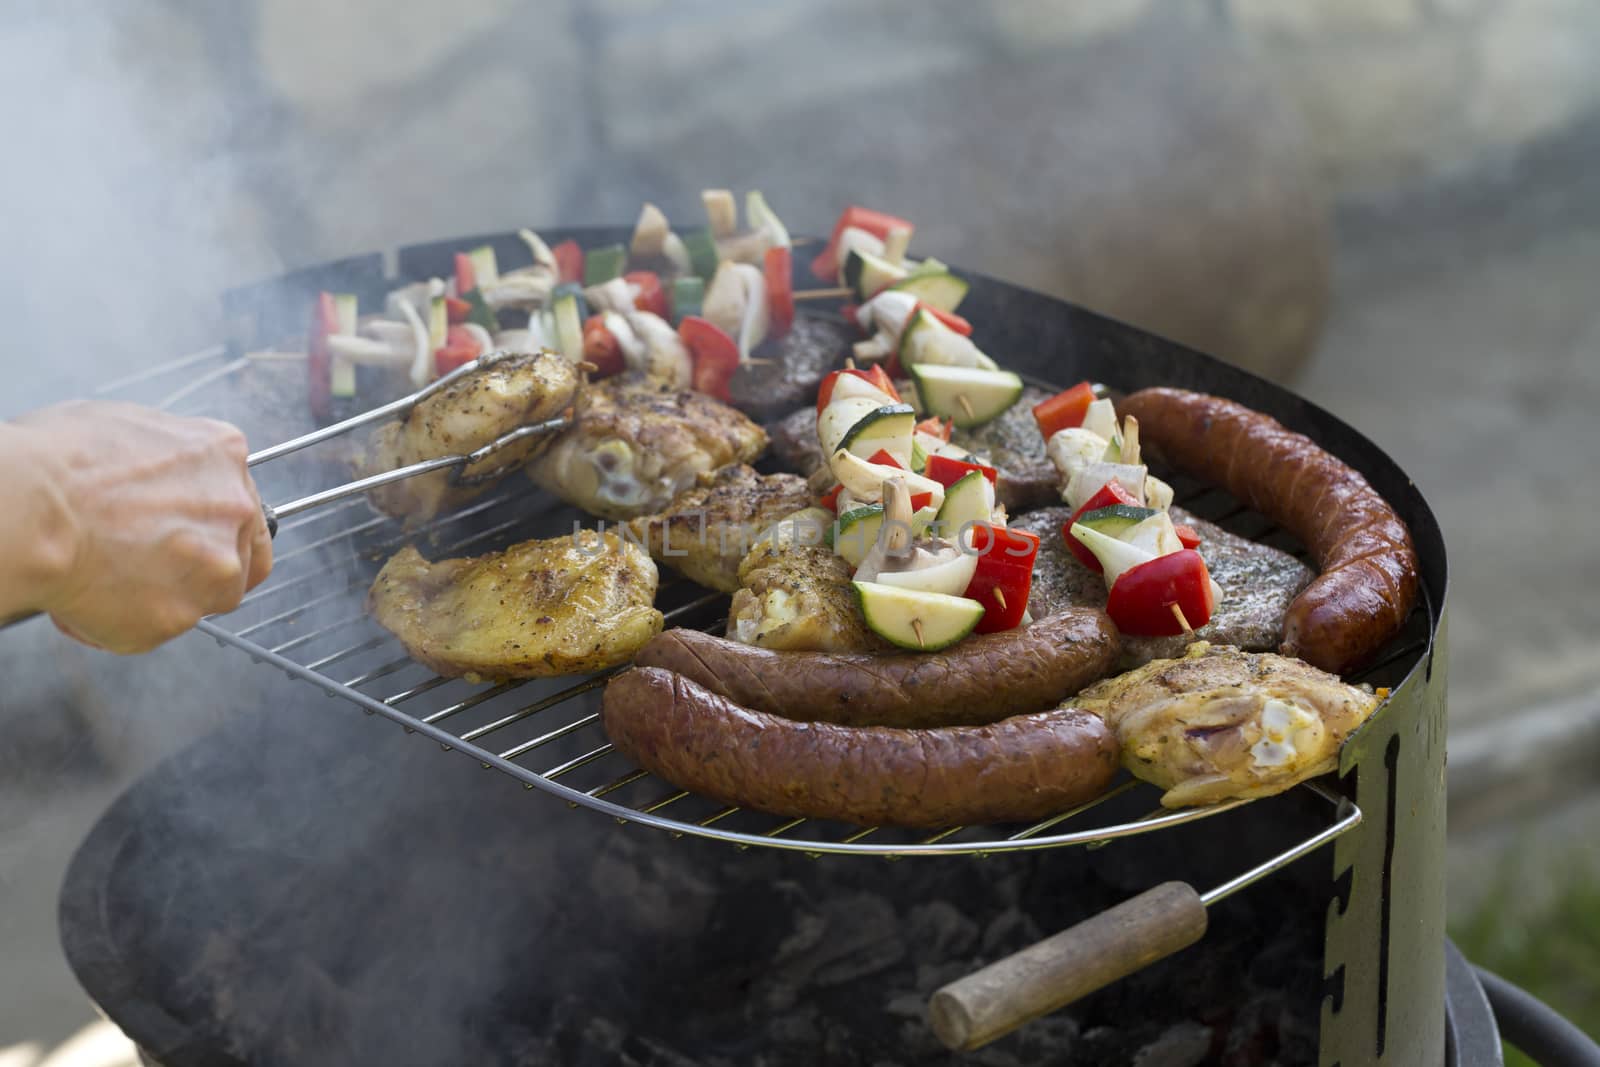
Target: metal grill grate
(308, 620)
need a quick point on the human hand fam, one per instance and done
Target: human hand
(161, 521)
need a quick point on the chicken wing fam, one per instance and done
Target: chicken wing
(795, 593)
(465, 416)
(636, 443)
(1219, 723)
(709, 529)
(538, 609)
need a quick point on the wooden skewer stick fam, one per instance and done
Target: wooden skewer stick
(841, 293)
(916, 628)
(759, 361)
(966, 405)
(587, 367)
(1000, 597)
(1177, 613)
(849, 363)
(1130, 440)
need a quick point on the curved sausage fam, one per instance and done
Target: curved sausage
(980, 680)
(1368, 583)
(1025, 767)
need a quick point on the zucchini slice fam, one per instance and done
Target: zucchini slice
(922, 622)
(969, 396)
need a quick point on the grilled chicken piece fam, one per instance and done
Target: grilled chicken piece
(1258, 583)
(468, 415)
(635, 444)
(795, 593)
(1219, 723)
(538, 609)
(709, 529)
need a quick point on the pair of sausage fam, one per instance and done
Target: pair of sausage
(1368, 583)
(902, 740)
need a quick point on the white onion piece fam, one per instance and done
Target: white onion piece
(541, 251)
(421, 351)
(367, 350)
(634, 350)
(756, 320)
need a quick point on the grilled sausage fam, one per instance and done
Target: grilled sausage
(980, 680)
(1368, 582)
(1024, 767)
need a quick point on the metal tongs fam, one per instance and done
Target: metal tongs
(402, 408)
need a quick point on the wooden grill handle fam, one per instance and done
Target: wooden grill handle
(973, 1011)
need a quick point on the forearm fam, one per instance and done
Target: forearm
(38, 534)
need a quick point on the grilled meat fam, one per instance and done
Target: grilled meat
(796, 595)
(1220, 723)
(794, 441)
(800, 360)
(468, 415)
(1010, 443)
(635, 444)
(709, 529)
(540, 608)
(1015, 449)
(1258, 583)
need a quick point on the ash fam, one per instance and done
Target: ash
(308, 886)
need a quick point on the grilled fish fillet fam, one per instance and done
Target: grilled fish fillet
(469, 414)
(636, 443)
(538, 609)
(795, 593)
(1220, 723)
(709, 529)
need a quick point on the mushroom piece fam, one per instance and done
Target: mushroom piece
(927, 564)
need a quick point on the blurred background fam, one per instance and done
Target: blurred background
(1390, 205)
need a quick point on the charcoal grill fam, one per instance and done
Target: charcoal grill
(1384, 952)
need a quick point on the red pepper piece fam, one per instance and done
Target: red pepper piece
(948, 472)
(920, 500)
(947, 318)
(600, 347)
(849, 313)
(466, 276)
(875, 378)
(651, 297)
(880, 378)
(1064, 410)
(714, 353)
(1142, 600)
(569, 261)
(319, 361)
(1186, 535)
(1004, 577)
(457, 310)
(830, 499)
(826, 266)
(459, 347)
(936, 427)
(1107, 495)
(778, 269)
(882, 456)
